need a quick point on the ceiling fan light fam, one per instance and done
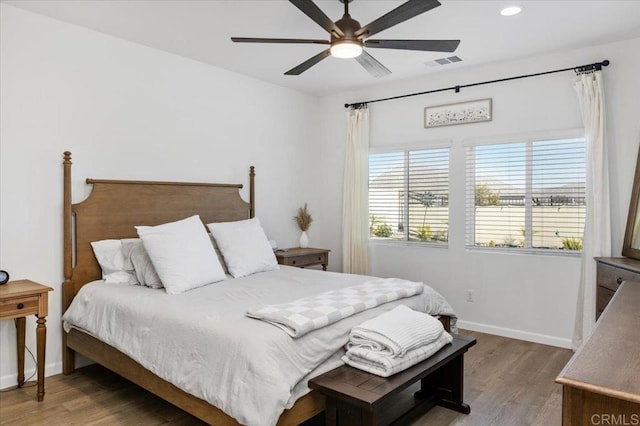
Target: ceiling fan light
(346, 49)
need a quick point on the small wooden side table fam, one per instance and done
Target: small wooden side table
(302, 257)
(21, 298)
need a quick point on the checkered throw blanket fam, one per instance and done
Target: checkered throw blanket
(301, 316)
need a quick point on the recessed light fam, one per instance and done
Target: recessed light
(511, 10)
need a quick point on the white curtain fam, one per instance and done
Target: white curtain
(355, 208)
(597, 228)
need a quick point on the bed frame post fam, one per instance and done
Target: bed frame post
(252, 192)
(68, 355)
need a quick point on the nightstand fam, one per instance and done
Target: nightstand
(302, 257)
(21, 298)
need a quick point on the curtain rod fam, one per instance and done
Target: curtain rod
(579, 69)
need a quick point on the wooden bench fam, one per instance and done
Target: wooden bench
(355, 397)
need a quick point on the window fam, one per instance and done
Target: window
(526, 195)
(409, 196)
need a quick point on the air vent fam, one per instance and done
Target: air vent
(443, 61)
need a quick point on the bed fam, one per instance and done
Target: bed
(112, 210)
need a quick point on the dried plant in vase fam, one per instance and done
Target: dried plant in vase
(303, 219)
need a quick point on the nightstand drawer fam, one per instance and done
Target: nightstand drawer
(19, 307)
(611, 277)
(309, 259)
(301, 257)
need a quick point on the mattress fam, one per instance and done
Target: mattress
(202, 342)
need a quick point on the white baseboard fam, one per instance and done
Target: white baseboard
(52, 369)
(516, 334)
(12, 379)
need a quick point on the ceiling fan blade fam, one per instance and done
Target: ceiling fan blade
(309, 8)
(400, 14)
(372, 65)
(278, 40)
(425, 45)
(308, 63)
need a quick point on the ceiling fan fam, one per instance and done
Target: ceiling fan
(348, 37)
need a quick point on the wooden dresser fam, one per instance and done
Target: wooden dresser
(601, 382)
(612, 271)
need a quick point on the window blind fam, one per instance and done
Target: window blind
(409, 195)
(526, 195)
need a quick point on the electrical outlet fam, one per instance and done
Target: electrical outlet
(469, 295)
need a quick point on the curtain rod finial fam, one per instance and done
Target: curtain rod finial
(606, 62)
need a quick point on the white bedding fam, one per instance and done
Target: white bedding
(202, 342)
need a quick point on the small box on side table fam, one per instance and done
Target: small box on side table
(302, 257)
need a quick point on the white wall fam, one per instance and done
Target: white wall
(525, 296)
(128, 112)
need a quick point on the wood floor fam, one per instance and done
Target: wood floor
(507, 382)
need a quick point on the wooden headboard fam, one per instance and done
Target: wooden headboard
(114, 207)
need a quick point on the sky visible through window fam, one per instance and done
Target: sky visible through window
(384, 162)
(507, 163)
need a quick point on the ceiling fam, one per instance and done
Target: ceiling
(200, 29)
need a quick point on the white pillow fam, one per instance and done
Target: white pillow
(182, 254)
(135, 254)
(112, 262)
(245, 247)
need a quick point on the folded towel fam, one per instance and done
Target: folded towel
(376, 363)
(396, 332)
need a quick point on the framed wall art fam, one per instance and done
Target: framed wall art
(459, 113)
